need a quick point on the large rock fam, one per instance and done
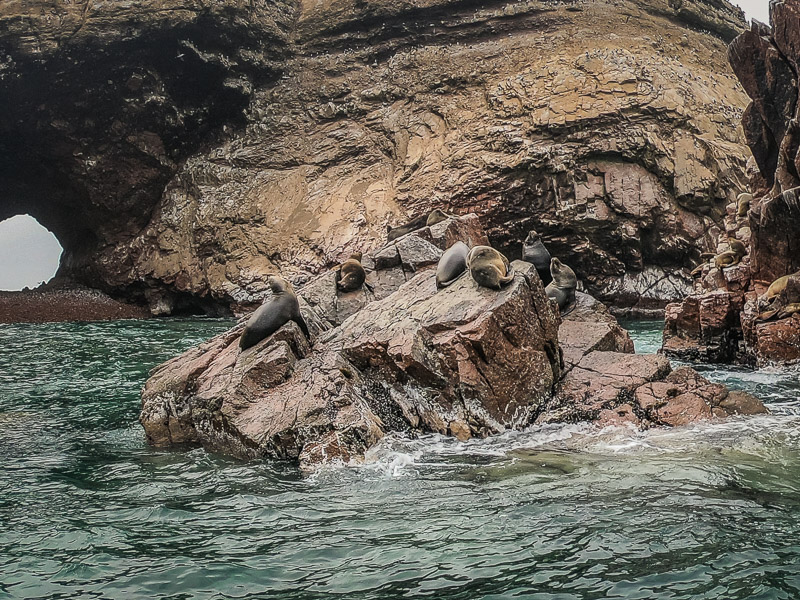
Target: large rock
(719, 323)
(607, 383)
(463, 361)
(191, 148)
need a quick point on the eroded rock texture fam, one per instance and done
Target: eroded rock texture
(720, 322)
(464, 361)
(181, 150)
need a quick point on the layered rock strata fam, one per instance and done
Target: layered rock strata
(721, 321)
(464, 361)
(182, 150)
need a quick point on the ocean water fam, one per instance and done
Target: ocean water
(88, 510)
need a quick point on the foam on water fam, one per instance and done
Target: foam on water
(87, 509)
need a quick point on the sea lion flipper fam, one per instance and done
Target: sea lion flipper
(301, 323)
(510, 273)
(369, 287)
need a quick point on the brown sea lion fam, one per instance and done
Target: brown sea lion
(562, 288)
(534, 252)
(350, 275)
(728, 258)
(743, 204)
(731, 257)
(452, 265)
(489, 268)
(437, 216)
(780, 298)
(412, 225)
(281, 308)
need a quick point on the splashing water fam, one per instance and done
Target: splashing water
(87, 509)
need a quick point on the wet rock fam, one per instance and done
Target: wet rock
(770, 342)
(465, 361)
(704, 327)
(607, 383)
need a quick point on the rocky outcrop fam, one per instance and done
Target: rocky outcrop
(720, 322)
(60, 300)
(181, 150)
(607, 383)
(464, 361)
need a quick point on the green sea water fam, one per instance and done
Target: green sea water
(88, 510)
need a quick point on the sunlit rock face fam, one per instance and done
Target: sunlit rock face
(181, 152)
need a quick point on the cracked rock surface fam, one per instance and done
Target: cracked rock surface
(464, 361)
(191, 148)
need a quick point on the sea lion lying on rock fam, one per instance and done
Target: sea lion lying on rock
(782, 298)
(437, 216)
(562, 288)
(350, 275)
(452, 265)
(281, 308)
(728, 258)
(489, 268)
(534, 252)
(434, 217)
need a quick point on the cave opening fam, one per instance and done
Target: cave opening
(30, 253)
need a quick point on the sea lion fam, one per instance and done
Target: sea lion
(731, 257)
(534, 252)
(489, 268)
(281, 308)
(562, 288)
(351, 275)
(452, 265)
(728, 258)
(412, 225)
(437, 216)
(743, 204)
(781, 298)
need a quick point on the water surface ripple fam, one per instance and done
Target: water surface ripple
(88, 510)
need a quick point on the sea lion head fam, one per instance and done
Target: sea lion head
(279, 285)
(563, 276)
(480, 252)
(437, 216)
(356, 256)
(532, 238)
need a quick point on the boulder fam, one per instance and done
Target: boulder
(607, 383)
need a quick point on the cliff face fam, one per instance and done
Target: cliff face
(727, 319)
(181, 152)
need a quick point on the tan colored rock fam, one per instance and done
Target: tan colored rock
(315, 125)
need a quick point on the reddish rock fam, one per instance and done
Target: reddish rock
(703, 327)
(719, 328)
(770, 342)
(464, 361)
(588, 327)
